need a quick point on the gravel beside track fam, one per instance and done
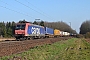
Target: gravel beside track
(13, 47)
(7, 39)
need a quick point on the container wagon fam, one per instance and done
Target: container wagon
(49, 32)
(66, 34)
(29, 31)
(61, 33)
(57, 33)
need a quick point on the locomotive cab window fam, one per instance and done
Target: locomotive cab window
(20, 27)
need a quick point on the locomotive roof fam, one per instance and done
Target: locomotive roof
(30, 24)
(37, 25)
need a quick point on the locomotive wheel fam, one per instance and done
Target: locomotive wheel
(30, 38)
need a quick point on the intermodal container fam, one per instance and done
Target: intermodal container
(35, 30)
(49, 31)
(61, 33)
(56, 32)
(65, 33)
(68, 34)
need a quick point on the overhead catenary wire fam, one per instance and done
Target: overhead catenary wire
(14, 10)
(23, 13)
(28, 7)
(33, 5)
(39, 9)
(32, 8)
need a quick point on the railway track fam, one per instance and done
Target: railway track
(13, 47)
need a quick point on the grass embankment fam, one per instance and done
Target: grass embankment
(72, 49)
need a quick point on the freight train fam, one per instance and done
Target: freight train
(32, 31)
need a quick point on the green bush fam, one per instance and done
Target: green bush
(80, 36)
(87, 35)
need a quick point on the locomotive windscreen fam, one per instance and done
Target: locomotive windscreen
(20, 27)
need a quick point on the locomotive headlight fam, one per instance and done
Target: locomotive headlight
(16, 33)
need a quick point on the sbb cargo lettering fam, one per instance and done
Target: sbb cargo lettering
(35, 30)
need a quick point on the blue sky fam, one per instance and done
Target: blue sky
(74, 11)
